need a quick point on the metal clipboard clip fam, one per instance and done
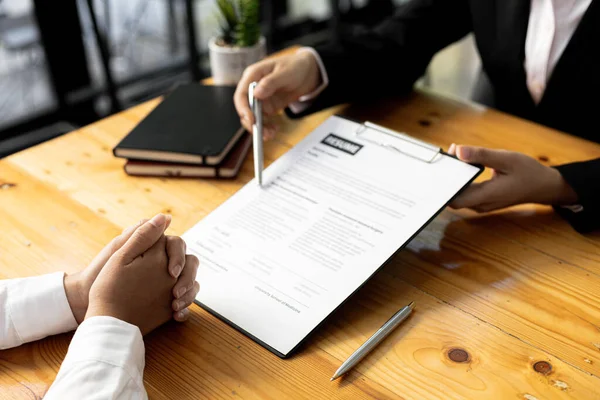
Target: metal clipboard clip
(397, 141)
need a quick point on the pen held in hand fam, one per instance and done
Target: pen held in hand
(374, 340)
(257, 133)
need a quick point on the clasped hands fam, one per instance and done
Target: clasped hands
(142, 277)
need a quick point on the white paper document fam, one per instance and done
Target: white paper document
(276, 260)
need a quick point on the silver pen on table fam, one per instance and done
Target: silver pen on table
(257, 133)
(374, 340)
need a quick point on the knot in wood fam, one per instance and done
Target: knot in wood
(458, 355)
(6, 185)
(542, 367)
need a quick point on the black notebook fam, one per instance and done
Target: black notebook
(195, 124)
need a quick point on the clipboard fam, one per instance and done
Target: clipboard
(361, 134)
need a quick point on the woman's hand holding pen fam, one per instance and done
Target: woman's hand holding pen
(281, 81)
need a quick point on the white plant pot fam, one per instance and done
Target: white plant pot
(228, 63)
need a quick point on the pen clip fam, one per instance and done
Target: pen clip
(251, 99)
(256, 106)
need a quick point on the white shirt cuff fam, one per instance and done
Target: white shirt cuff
(305, 101)
(38, 307)
(577, 208)
(108, 340)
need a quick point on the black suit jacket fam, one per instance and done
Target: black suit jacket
(396, 53)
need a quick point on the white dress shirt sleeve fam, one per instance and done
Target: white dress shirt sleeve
(305, 101)
(33, 308)
(105, 361)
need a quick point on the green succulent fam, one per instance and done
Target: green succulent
(239, 20)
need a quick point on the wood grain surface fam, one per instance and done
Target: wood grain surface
(508, 303)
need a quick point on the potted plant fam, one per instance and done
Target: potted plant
(239, 44)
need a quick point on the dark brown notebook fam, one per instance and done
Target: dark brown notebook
(229, 168)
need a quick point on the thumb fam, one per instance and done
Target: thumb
(126, 234)
(270, 84)
(496, 159)
(102, 258)
(144, 237)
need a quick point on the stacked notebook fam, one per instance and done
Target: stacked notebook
(193, 132)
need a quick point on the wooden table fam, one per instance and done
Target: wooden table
(508, 304)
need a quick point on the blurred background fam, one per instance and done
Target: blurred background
(67, 63)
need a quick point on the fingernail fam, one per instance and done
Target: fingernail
(182, 314)
(169, 218)
(159, 221)
(176, 270)
(452, 150)
(181, 292)
(178, 305)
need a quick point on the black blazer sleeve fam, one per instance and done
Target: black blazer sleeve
(391, 57)
(584, 178)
